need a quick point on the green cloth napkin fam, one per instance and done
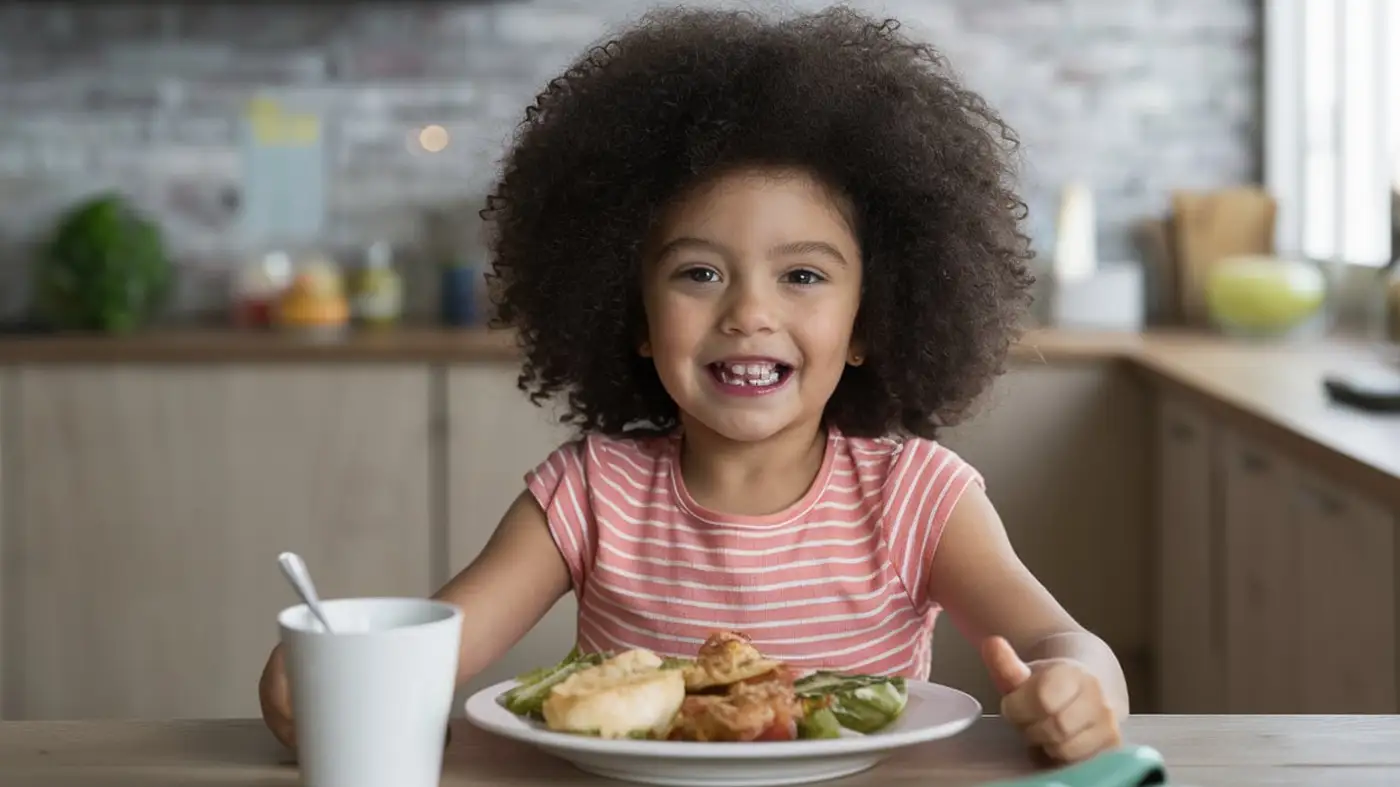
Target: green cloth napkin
(1130, 766)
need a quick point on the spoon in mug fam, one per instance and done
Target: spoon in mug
(294, 569)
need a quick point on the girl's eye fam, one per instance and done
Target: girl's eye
(700, 275)
(804, 277)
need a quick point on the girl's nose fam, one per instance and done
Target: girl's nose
(749, 311)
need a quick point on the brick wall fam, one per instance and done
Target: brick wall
(1136, 96)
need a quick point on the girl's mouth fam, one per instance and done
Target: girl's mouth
(750, 377)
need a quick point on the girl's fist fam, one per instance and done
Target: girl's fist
(1057, 704)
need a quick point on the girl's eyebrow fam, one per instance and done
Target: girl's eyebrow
(687, 242)
(807, 247)
(781, 250)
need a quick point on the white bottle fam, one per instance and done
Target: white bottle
(1076, 251)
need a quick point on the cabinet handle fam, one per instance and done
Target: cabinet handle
(1330, 504)
(1181, 431)
(1252, 462)
(1218, 562)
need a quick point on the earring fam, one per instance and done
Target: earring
(644, 350)
(857, 359)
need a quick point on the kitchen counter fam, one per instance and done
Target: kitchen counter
(1278, 394)
(1200, 751)
(406, 344)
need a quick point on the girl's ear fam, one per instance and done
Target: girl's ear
(855, 356)
(644, 349)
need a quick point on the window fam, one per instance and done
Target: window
(1331, 119)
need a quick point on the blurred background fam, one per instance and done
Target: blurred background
(241, 311)
(410, 104)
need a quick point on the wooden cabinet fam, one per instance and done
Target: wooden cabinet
(495, 435)
(142, 508)
(1276, 585)
(8, 556)
(1347, 605)
(148, 505)
(1190, 633)
(1261, 580)
(1061, 449)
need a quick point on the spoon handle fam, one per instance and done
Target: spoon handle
(294, 568)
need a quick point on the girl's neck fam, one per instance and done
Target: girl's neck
(751, 478)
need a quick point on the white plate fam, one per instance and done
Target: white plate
(933, 712)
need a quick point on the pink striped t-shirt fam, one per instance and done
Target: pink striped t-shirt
(837, 581)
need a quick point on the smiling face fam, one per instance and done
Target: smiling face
(751, 293)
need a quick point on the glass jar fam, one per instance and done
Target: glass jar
(256, 287)
(376, 298)
(314, 302)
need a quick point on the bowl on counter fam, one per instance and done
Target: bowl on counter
(1263, 296)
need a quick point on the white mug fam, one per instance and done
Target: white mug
(371, 701)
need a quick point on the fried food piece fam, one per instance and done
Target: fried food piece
(726, 657)
(626, 696)
(761, 711)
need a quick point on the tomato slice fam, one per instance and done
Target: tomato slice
(779, 731)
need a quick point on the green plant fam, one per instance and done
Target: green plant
(104, 267)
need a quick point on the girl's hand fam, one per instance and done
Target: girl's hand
(275, 696)
(1057, 704)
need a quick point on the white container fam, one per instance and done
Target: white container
(1076, 256)
(1110, 298)
(371, 704)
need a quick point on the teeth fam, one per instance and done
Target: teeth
(755, 374)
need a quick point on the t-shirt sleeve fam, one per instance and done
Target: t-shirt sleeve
(926, 481)
(560, 485)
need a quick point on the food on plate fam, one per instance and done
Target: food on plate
(861, 703)
(626, 696)
(724, 659)
(766, 710)
(817, 721)
(532, 689)
(729, 691)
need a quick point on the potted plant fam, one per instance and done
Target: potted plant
(103, 268)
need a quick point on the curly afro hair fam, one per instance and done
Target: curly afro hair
(923, 164)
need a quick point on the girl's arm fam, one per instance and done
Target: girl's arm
(990, 595)
(504, 592)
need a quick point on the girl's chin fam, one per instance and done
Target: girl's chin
(742, 427)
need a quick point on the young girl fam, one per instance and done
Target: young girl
(763, 260)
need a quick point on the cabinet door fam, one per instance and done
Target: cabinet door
(1262, 562)
(1062, 449)
(1347, 584)
(8, 608)
(1190, 669)
(150, 505)
(495, 436)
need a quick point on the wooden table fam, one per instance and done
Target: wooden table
(1201, 751)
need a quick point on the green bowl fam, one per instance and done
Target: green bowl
(1264, 296)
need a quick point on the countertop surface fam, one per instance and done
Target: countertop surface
(1200, 751)
(1277, 387)
(408, 344)
(1277, 393)
(200, 345)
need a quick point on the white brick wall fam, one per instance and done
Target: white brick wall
(1136, 96)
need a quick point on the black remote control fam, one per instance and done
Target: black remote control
(1375, 394)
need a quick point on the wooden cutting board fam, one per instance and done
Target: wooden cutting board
(1209, 226)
